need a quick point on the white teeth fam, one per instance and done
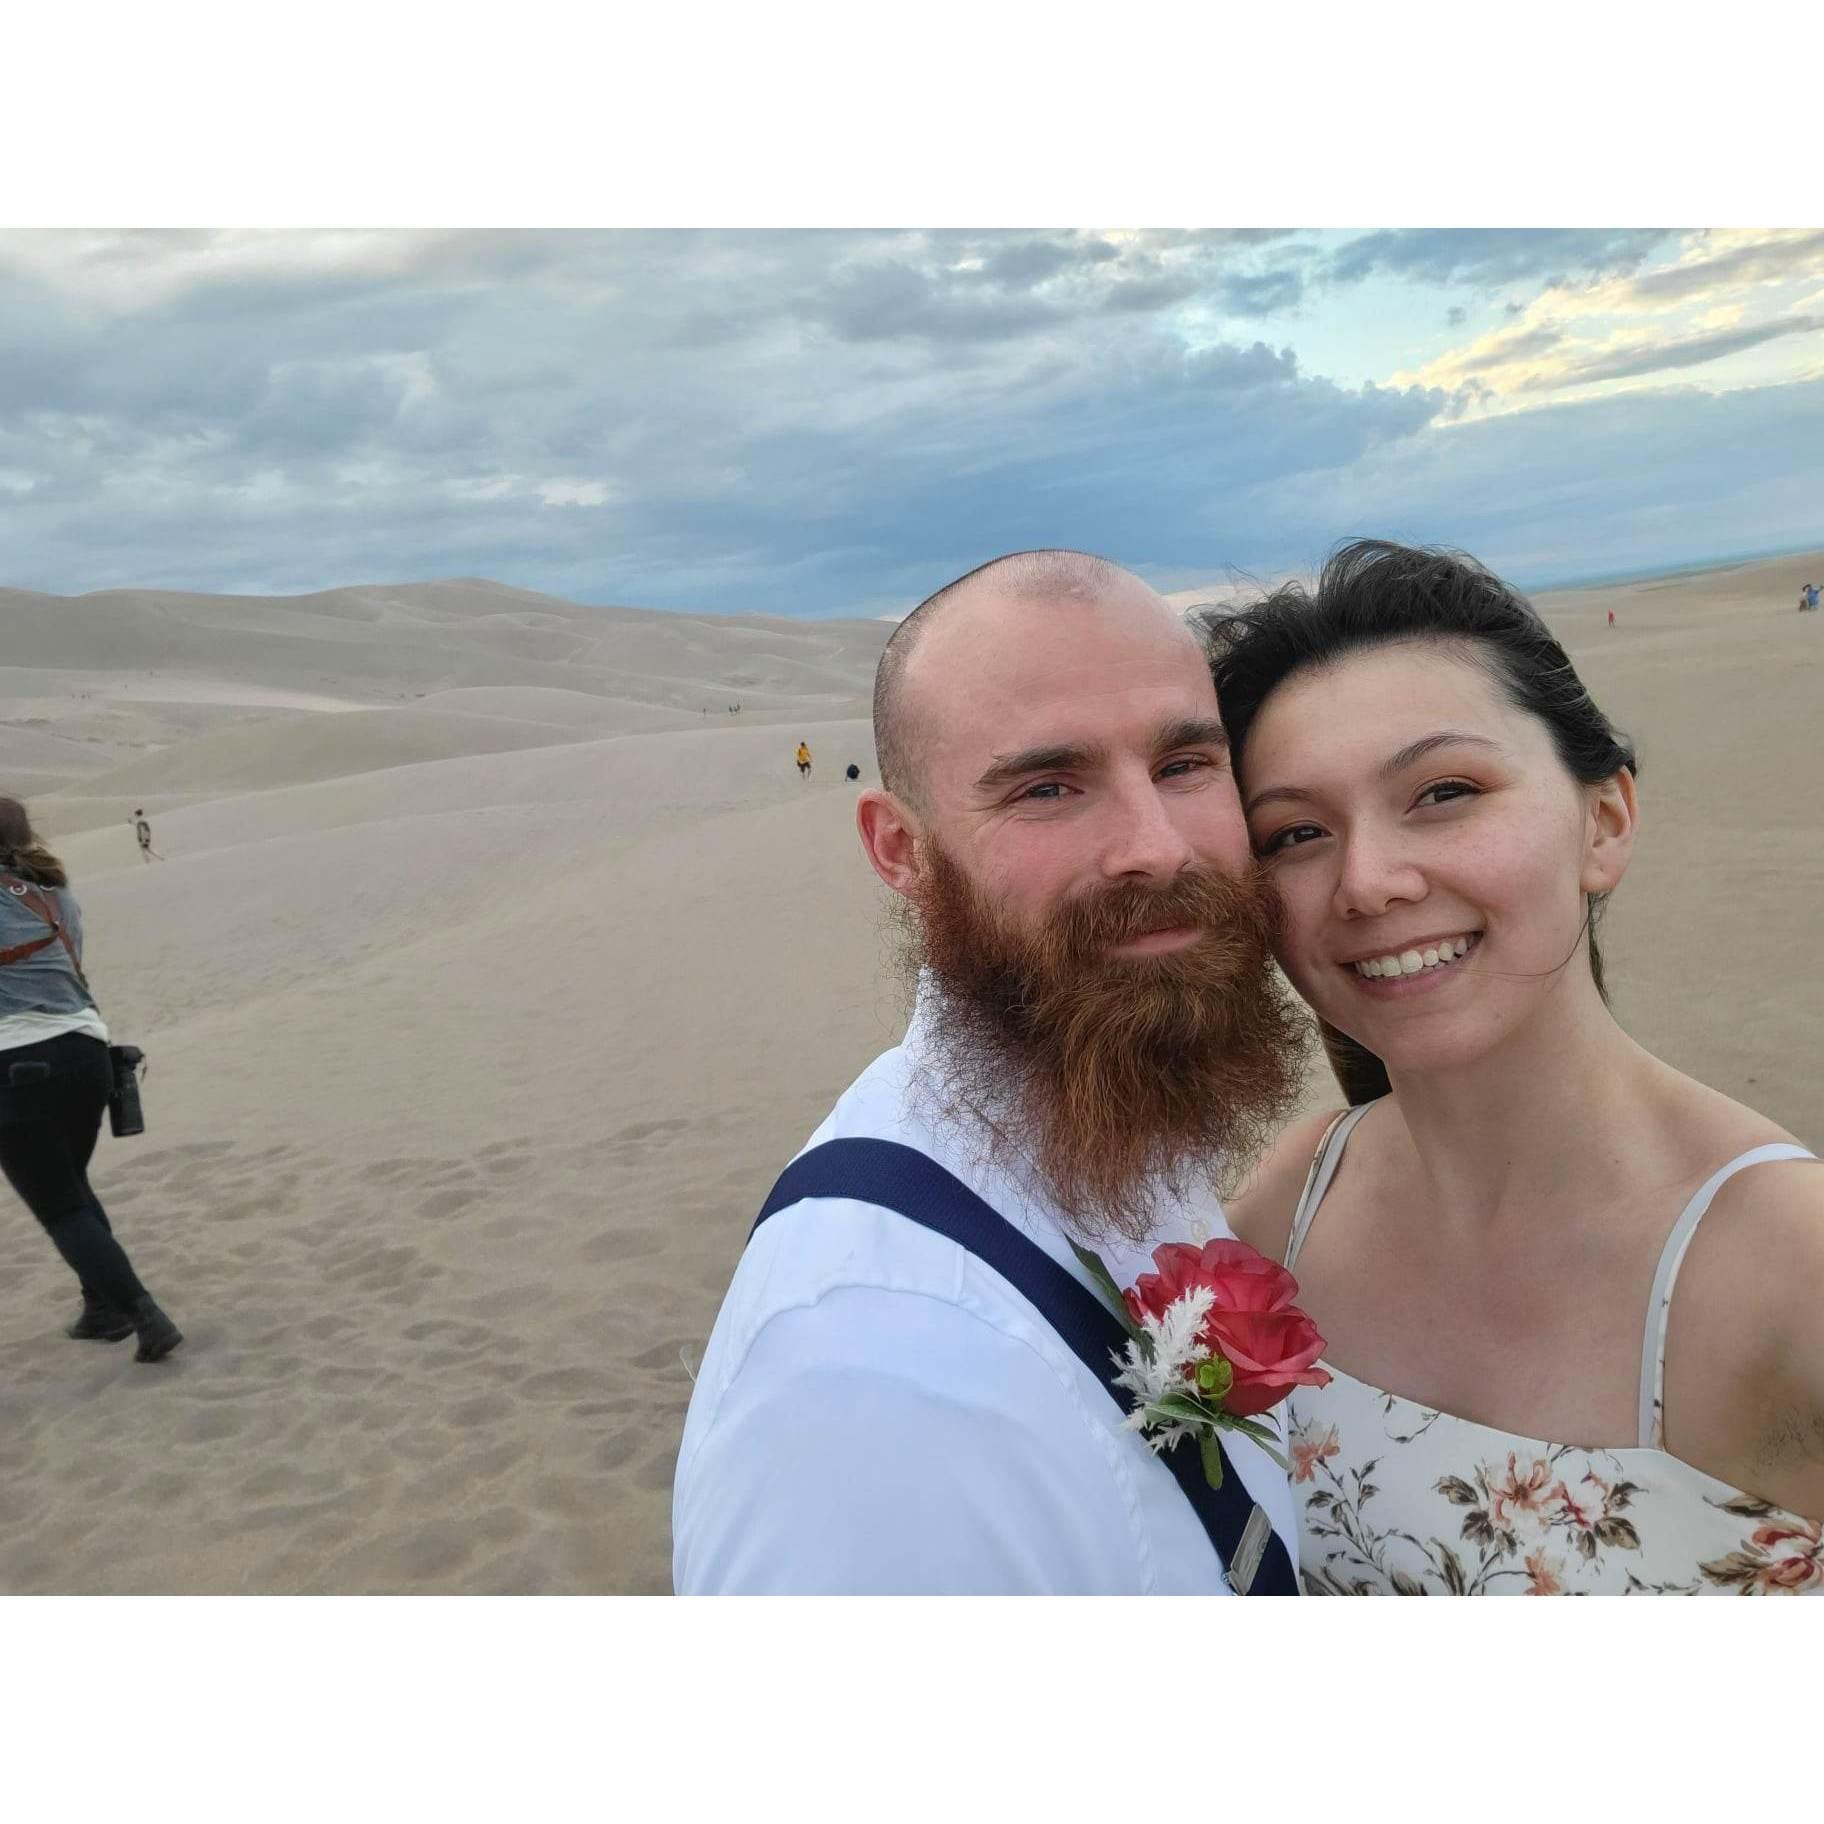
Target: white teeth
(1411, 962)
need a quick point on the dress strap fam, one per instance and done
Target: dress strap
(1653, 1349)
(1317, 1181)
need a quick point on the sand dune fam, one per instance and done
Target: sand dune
(376, 644)
(481, 1021)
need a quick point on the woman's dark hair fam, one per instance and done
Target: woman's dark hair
(1372, 593)
(22, 853)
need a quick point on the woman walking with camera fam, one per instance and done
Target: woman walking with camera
(55, 1080)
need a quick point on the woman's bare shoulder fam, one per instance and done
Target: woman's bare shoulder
(1261, 1211)
(1703, 1126)
(1744, 1347)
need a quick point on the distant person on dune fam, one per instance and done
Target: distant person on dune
(1808, 598)
(143, 830)
(1611, 617)
(55, 1079)
(804, 761)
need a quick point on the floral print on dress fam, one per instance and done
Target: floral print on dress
(1397, 1499)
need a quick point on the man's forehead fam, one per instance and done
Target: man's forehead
(1065, 672)
(1018, 641)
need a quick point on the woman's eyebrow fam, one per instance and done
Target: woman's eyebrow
(1417, 750)
(1408, 755)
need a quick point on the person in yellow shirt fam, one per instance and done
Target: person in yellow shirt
(804, 761)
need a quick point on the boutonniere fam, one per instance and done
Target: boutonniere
(1214, 1341)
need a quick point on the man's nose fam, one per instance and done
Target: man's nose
(1144, 837)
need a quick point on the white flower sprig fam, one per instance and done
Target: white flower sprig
(1158, 1365)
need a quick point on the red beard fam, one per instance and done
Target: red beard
(1113, 1077)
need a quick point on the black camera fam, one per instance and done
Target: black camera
(125, 1116)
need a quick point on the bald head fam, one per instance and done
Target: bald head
(1024, 577)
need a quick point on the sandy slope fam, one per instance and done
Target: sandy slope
(481, 1021)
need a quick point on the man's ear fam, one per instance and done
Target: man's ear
(1614, 823)
(889, 833)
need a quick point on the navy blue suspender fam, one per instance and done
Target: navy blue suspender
(900, 1178)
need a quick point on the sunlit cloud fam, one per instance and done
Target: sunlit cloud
(1722, 294)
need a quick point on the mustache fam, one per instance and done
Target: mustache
(1231, 912)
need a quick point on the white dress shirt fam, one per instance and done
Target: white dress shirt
(878, 1412)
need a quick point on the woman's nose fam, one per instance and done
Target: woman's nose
(1374, 876)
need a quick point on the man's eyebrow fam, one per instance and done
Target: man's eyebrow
(1194, 731)
(1079, 756)
(1057, 756)
(1408, 755)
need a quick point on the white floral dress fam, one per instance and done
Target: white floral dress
(1395, 1499)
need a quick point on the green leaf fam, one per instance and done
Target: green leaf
(1183, 1408)
(1105, 1281)
(1212, 1459)
(1253, 1428)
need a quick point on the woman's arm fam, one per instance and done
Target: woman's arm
(1744, 1382)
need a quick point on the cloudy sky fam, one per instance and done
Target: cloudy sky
(836, 422)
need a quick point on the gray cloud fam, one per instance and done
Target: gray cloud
(1753, 262)
(1263, 294)
(1033, 262)
(1492, 257)
(795, 422)
(1636, 480)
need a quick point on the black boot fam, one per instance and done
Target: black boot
(158, 1336)
(100, 1322)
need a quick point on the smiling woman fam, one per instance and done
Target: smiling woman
(1380, 596)
(1444, 809)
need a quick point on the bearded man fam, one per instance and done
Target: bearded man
(906, 1389)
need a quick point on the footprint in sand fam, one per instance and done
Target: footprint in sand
(621, 1245)
(448, 1202)
(560, 1384)
(391, 1171)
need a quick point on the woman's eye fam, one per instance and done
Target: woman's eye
(1447, 789)
(1290, 838)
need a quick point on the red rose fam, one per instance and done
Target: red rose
(1253, 1323)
